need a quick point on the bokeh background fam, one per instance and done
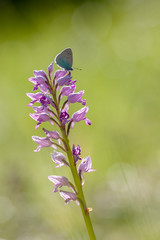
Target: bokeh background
(117, 44)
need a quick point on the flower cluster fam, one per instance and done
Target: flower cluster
(56, 92)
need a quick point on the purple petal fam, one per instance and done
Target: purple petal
(85, 166)
(50, 69)
(66, 90)
(42, 117)
(68, 196)
(87, 121)
(39, 80)
(43, 142)
(59, 73)
(75, 97)
(52, 134)
(45, 88)
(80, 115)
(59, 182)
(76, 151)
(41, 98)
(40, 73)
(35, 96)
(66, 80)
(59, 159)
(64, 116)
(41, 109)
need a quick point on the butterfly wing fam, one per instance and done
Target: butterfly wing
(65, 59)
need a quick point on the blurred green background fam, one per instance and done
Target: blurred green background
(117, 44)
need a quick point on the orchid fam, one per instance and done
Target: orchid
(69, 196)
(76, 151)
(59, 182)
(85, 166)
(43, 142)
(59, 159)
(55, 96)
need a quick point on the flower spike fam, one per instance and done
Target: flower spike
(54, 97)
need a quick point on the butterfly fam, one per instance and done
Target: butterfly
(65, 59)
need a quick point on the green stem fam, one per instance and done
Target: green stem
(79, 189)
(76, 178)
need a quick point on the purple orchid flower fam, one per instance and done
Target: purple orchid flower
(59, 182)
(66, 80)
(41, 83)
(79, 116)
(69, 196)
(41, 98)
(60, 159)
(51, 134)
(41, 117)
(64, 116)
(43, 142)
(35, 97)
(52, 88)
(76, 97)
(66, 90)
(42, 110)
(40, 73)
(37, 81)
(85, 166)
(59, 74)
(45, 101)
(76, 151)
(45, 88)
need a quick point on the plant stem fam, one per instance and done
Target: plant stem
(75, 175)
(79, 189)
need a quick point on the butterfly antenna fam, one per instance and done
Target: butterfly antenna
(77, 68)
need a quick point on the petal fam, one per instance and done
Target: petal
(42, 141)
(87, 121)
(68, 196)
(79, 115)
(35, 96)
(50, 69)
(75, 97)
(41, 117)
(66, 80)
(58, 156)
(51, 134)
(41, 109)
(40, 73)
(58, 180)
(59, 73)
(66, 90)
(85, 165)
(39, 80)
